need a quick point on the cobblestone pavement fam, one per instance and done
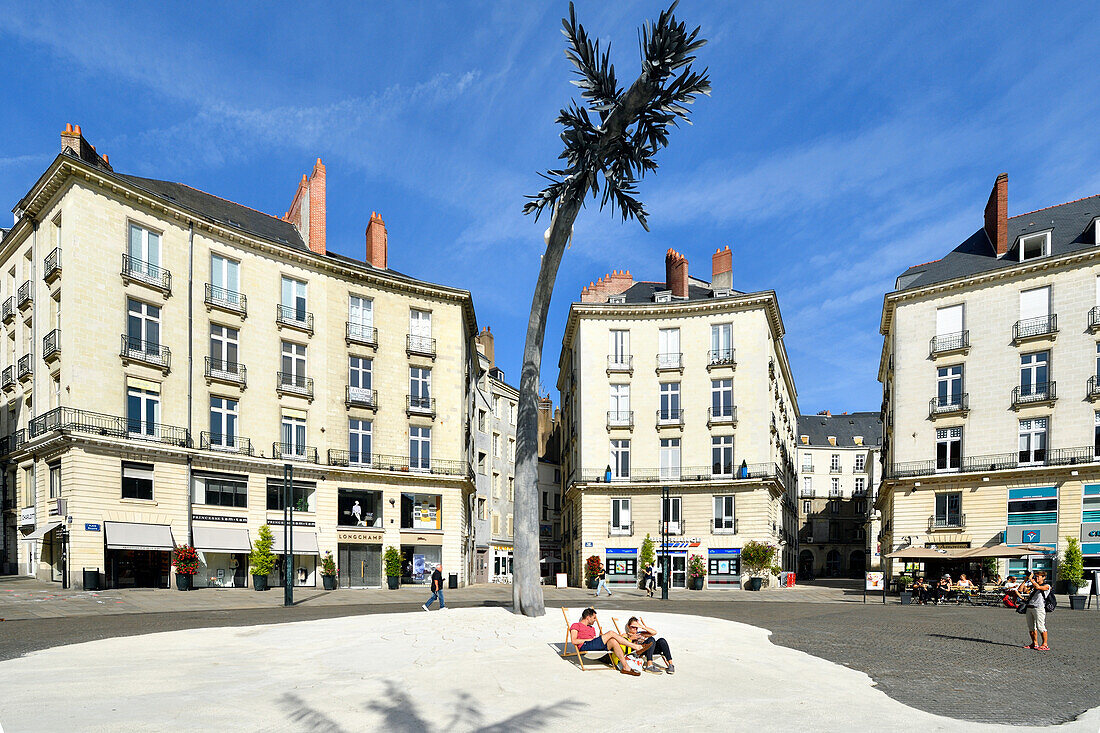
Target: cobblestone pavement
(965, 663)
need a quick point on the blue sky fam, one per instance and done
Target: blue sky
(841, 144)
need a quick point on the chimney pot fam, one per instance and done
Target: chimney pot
(68, 127)
(676, 273)
(377, 246)
(76, 129)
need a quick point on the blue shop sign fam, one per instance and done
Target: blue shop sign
(724, 551)
(621, 551)
(90, 527)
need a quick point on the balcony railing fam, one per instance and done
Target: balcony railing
(805, 493)
(294, 452)
(859, 492)
(1093, 388)
(835, 493)
(295, 384)
(397, 464)
(725, 415)
(227, 300)
(949, 342)
(226, 371)
(225, 443)
(672, 528)
(620, 530)
(836, 469)
(620, 418)
(112, 426)
(949, 522)
(807, 468)
(419, 405)
(8, 377)
(147, 352)
(724, 526)
(949, 404)
(26, 294)
(620, 363)
(718, 472)
(1094, 318)
(24, 369)
(358, 333)
(670, 361)
(147, 273)
(721, 357)
(1037, 393)
(360, 397)
(421, 345)
(9, 309)
(1030, 328)
(52, 266)
(291, 317)
(51, 345)
(997, 462)
(670, 418)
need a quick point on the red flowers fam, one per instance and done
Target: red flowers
(186, 560)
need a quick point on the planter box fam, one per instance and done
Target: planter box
(1077, 603)
(697, 583)
(183, 582)
(329, 582)
(906, 598)
(393, 582)
(754, 584)
(259, 582)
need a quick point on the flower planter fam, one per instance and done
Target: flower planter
(259, 582)
(906, 598)
(1077, 603)
(183, 582)
(697, 583)
(593, 583)
(754, 584)
(393, 582)
(329, 582)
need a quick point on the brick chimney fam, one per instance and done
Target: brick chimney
(307, 210)
(996, 215)
(721, 269)
(71, 139)
(376, 241)
(485, 339)
(613, 283)
(676, 273)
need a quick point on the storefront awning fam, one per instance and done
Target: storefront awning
(137, 536)
(925, 553)
(42, 530)
(305, 541)
(222, 539)
(998, 551)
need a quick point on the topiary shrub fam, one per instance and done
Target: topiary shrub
(262, 559)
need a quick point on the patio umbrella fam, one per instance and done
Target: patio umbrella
(922, 553)
(1036, 549)
(550, 559)
(1001, 550)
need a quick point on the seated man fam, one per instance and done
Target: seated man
(639, 633)
(921, 590)
(943, 590)
(584, 637)
(1009, 589)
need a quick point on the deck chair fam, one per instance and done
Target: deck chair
(608, 657)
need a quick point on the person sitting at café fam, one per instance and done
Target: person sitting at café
(966, 589)
(943, 590)
(583, 636)
(1009, 590)
(921, 590)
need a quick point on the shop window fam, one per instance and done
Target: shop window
(219, 490)
(359, 508)
(421, 511)
(621, 566)
(137, 481)
(55, 480)
(304, 495)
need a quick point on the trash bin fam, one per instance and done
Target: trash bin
(452, 580)
(91, 579)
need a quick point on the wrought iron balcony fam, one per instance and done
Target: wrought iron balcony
(723, 526)
(836, 493)
(51, 345)
(420, 406)
(146, 352)
(24, 370)
(112, 426)
(725, 415)
(1093, 388)
(401, 464)
(26, 294)
(949, 343)
(9, 309)
(620, 530)
(226, 300)
(360, 397)
(1035, 394)
(357, 333)
(52, 266)
(231, 372)
(1031, 328)
(836, 469)
(147, 273)
(805, 493)
(670, 362)
(997, 462)
(620, 419)
(9, 378)
(1094, 319)
(957, 521)
(807, 468)
(290, 317)
(949, 405)
(294, 384)
(349, 458)
(293, 452)
(224, 443)
(716, 472)
(721, 357)
(670, 418)
(620, 363)
(420, 345)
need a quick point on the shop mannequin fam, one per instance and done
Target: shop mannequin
(357, 512)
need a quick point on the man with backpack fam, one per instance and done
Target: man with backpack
(1037, 601)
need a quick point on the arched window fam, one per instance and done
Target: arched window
(832, 563)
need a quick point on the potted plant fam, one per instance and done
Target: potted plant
(262, 559)
(328, 571)
(592, 569)
(904, 581)
(186, 560)
(697, 571)
(1072, 570)
(758, 558)
(392, 560)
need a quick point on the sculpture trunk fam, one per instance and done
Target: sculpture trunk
(526, 590)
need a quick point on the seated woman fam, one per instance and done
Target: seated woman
(943, 590)
(637, 632)
(583, 636)
(1009, 589)
(966, 589)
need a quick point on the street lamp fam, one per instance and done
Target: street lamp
(666, 563)
(288, 535)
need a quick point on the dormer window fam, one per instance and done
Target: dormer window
(617, 299)
(722, 293)
(1034, 246)
(664, 296)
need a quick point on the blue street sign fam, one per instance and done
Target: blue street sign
(90, 527)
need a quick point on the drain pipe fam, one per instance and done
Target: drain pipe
(190, 368)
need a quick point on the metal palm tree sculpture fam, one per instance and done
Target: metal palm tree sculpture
(612, 141)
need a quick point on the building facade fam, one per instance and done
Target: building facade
(838, 457)
(549, 487)
(205, 347)
(990, 366)
(682, 384)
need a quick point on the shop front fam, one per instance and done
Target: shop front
(138, 555)
(674, 562)
(305, 556)
(223, 556)
(53, 549)
(724, 567)
(502, 564)
(359, 508)
(621, 566)
(1090, 529)
(359, 558)
(420, 553)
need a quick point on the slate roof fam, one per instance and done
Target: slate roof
(642, 292)
(843, 427)
(1070, 231)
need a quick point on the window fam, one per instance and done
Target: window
(861, 507)
(223, 349)
(303, 495)
(496, 523)
(144, 252)
(807, 462)
(949, 386)
(218, 490)
(668, 354)
(496, 485)
(496, 445)
(481, 459)
(137, 481)
(723, 513)
(721, 343)
(721, 398)
(619, 405)
(670, 458)
(808, 484)
(861, 485)
(948, 449)
(482, 508)
(359, 378)
(834, 506)
(481, 418)
(670, 401)
(142, 327)
(834, 532)
(1033, 440)
(294, 436)
(511, 488)
(496, 406)
(670, 514)
(1096, 434)
(143, 410)
(835, 487)
(359, 508)
(420, 449)
(223, 423)
(834, 462)
(55, 480)
(861, 462)
(294, 299)
(359, 442)
(1034, 246)
(620, 459)
(420, 389)
(421, 511)
(806, 507)
(948, 509)
(225, 276)
(420, 329)
(511, 450)
(619, 347)
(620, 515)
(512, 413)
(721, 455)
(360, 316)
(294, 365)
(949, 327)
(1034, 310)
(1034, 374)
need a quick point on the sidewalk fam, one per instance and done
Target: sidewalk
(25, 598)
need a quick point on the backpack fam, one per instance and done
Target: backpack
(1051, 602)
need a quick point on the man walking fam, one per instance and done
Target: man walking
(602, 576)
(437, 589)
